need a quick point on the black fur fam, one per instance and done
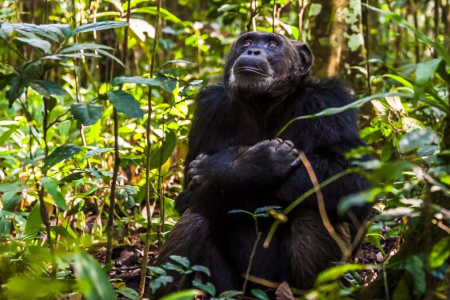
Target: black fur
(236, 174)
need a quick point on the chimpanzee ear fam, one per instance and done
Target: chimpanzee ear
(305, 57)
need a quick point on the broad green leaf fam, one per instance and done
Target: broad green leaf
(18, 82)
(51, 187)
(182, 295)
(165, 14)
(162, 154)
(107, 54)
(157, 270)
(337, 110)
(415, 266)
(161, 280)
(440, 253)
(64, 233)
(47, 88)
(98, 26)
(86, 113)
(181, 260)
(424, 71)
(259, 294)
(5, 226)
(51, 31)
(10, 203)
(166, 83)
(416, 139)
(93, 152)
(337, 272)
(129, 293)
(358, 199)
(36, 43)
(59, 154)
(401, 80)
(202, 269)
(125, 103)
(87, 46)
(227, 7)
(5, 136)
(91, 279)
(34, 222)
(207, 287)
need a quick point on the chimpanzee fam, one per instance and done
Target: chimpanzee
(237, 162)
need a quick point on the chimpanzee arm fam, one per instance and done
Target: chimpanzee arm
(325, 164)
(237, 173)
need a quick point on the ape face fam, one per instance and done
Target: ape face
(265, 64)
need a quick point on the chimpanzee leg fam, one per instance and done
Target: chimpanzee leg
(311, 247)
(191, 238)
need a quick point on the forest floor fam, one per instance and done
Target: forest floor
(128, 258)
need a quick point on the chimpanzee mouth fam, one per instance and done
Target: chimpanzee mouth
(250, 70)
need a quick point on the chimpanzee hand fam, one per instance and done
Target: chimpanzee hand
(279, 157)
(195, 173)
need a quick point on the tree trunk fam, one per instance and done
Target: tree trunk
(334, 34)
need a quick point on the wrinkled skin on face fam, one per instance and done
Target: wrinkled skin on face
(265, 64)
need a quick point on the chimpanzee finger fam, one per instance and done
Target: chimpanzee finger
(195, 182)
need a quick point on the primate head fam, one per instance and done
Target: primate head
(265, 64)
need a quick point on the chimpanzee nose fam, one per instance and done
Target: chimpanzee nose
(254, 52)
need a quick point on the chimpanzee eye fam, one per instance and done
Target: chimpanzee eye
(271, 45)
(247, 43)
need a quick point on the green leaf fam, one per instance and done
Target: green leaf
(18, 82)
(157, 270)
(416, 139)
(36, 43)
(401, 80)
(165, 14)
(181, 260)
(440, 253)
(93, 152)
(11, 203)
(424, 71)
(47, 88)
(207, 287)
(129, 293)
(5, 226)
(125, 103)
(166, 83)
(86, 113)
(64, 233)
(91, 279)
(337, 110)
(202, 269)
(259, 294)
(266, 208)
(98, 26)
(158, 282)
(182, 295)
(358, 199)
(59, 154)
(337, 272)
(34, 222)
(51, 187)
(162, 154)
(87, 46)
(414, 265)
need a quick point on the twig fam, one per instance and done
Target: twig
(252, 255)
(44, 213)
(253, 14)
(321, 203)
(148, 161)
